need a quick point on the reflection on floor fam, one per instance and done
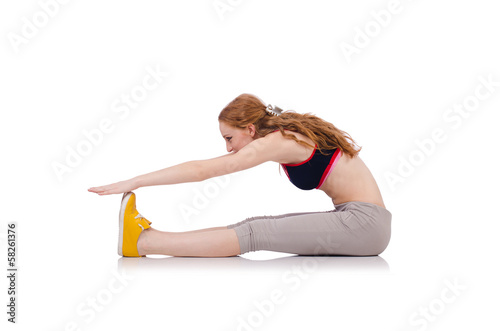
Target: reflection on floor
(188, 265)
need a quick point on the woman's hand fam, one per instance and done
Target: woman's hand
(116, 188)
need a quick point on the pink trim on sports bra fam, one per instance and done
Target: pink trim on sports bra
(331, 165)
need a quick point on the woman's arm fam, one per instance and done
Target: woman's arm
(181, 173)
(255, 153)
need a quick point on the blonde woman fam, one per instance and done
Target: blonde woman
(314, 155)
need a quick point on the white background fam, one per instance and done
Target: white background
(67, 74)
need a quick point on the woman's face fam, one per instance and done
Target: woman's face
(236, 138)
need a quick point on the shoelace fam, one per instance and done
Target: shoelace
(140, 216)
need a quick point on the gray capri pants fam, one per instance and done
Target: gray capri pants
(352, 228)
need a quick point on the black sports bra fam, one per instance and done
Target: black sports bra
(312, 172)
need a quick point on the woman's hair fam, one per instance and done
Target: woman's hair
(248, 109)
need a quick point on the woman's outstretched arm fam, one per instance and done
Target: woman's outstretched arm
(180, 173)
(256, 152)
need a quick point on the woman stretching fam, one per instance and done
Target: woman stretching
(313, 153)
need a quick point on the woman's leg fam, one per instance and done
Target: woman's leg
(133, 241)
(212, 242)
(353, 228)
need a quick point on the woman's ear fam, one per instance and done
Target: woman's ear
(251, 130)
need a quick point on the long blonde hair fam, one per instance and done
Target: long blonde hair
(248, 109)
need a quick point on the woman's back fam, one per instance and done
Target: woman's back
(351, 180)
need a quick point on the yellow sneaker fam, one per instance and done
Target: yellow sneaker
(131, 225)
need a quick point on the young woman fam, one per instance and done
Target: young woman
(314, 155)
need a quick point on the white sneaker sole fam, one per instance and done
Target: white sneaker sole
(121, 219)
